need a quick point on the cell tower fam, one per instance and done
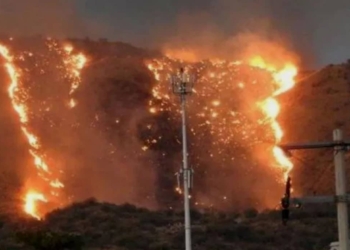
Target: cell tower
(182, 85)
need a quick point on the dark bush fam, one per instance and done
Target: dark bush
(250, 213)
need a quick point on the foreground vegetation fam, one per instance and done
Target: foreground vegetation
(94, 225)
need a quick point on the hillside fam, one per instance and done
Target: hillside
(316, 106)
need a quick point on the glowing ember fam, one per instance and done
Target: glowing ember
(74, 63)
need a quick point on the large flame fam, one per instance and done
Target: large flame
(284, 79)
(35, 193)
(19, 104)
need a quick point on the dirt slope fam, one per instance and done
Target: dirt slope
(318, 104)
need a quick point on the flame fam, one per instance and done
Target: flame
(284, 80)
(35, 192)
(30, 206)
(75, 63)
(19, 106)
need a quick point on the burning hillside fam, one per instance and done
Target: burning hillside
(35, 104)
(67, 137)
(104, 126)
(233, 124)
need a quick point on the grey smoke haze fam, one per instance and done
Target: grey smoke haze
(60, 18)
(317, 29)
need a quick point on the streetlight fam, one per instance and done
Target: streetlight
(182, 85)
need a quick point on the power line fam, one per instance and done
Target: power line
(318, 179)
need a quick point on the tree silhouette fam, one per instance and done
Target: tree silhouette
(47, 240)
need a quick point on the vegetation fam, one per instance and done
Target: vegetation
(47, 240)
(94, 225)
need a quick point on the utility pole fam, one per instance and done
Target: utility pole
(182, 85)
(341, 198)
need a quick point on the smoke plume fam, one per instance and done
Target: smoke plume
(47, 18)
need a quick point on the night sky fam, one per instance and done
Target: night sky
(318, 30)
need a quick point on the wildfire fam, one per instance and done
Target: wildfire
(47, 188)
(214, 108)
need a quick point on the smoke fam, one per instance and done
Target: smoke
(311, 28)
(112, 103)
(196, 37)
(314, 30)
(307, 28)
(47, 18)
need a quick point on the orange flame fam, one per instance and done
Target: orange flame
(19, 106)
(18, 97)
(21, 109)
(284, 80)
(75, 63)
(30, 206)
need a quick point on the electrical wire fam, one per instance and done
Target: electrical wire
(319, 178)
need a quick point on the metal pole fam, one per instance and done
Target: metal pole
(185, 176)
(340, 184)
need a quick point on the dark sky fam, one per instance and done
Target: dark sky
(314, 27)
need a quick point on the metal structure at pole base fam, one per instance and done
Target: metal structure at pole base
(340, 189)
(182, 84)
(341, 198)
